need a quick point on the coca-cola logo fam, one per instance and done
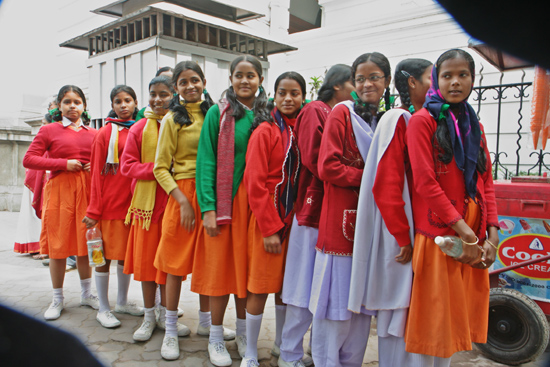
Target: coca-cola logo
(523, 247)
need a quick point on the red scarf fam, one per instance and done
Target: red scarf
(225, 164)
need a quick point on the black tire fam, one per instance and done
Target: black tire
(518, 329)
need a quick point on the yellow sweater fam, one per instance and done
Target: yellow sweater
(177, 148)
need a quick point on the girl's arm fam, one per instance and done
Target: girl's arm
(130, 161)
(34, 158)
(331, 168)
(97, 162)
(388, 190)
(256, 173)
(311, 122)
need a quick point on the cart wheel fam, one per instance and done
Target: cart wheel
(518, 329)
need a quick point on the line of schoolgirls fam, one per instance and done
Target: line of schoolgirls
(333, 206)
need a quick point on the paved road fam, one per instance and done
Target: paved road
(25, 285)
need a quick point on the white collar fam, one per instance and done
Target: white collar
(66, 122)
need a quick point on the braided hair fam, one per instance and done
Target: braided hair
(337, 75)
(404, 70)
(181, 115)
(56, 114)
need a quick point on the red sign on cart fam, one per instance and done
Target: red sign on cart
(523, 247)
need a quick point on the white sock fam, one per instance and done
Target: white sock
(157, 296)
(216, 334)
(205, 319)
(123, 285)
(102, 286)
(253, 326)
(280, 316)
(241, 327)
(58, 295)
(171, 323)
(85, 287)
(149, 314)
(162, 313)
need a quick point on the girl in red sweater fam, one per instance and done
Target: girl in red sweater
(109, 201)
(68, 143)
(270, 178)
(453, 195)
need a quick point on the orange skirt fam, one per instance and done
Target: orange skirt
(221, 262)
(115, 238)
(176, 250)
(141, 251)
(450, 300)
(265, 270)
(65, 202)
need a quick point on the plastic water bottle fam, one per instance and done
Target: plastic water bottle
(451, 245)
(95, 247)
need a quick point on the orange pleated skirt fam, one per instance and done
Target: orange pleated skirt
(450, 300)
(176, 251)
(65, 202)
(141, 251)
(265, 270)
(220, 266)
(115, 238)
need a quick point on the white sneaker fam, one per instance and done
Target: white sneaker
(275, 351)
(91, 301)
(54, 311)
(130, 308)
(180, 312)
(107, 319)
(170, 349)
(249, 362)
(182, 329)
(307, 360)
(145, 331)
(228, 334)
(283, 363)
(219, 356)
(241, 344)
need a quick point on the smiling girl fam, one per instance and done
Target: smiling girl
(221, 257)
(175, 167)
(147, 207)
(270, 179)
(68, 143)
(109, 201)
(453, 195)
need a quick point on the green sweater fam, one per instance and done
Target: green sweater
(208, 152)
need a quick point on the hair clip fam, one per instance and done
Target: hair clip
(405, 73)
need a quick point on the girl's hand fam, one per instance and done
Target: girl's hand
(86, 167)
(272, 244)
(89, 222)
(471, 254)
(187, 216)
(73, 165)
(490, 251)
(405, 255)
(209, 223)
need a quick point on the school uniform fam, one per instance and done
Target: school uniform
(110, 194)
(63, 233)
(175, 167)
(221, 262)
(450, 300)
(339, 336)
(301, 252)
(146, 225)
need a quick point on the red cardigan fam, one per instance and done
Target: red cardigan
(309, 130)
(131, 166)
(439, 197)
(389, 182)
(110, 195)
(341, 167)
(265, 156)
(62, 144)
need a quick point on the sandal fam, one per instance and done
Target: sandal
(39, 256)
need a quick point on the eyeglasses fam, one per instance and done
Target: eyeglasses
(372, 79)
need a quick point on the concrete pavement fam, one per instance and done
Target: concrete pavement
(25, 286)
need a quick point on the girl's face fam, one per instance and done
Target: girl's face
(245, 81)
(289, 97)
(124, 105)
(190, 86)
(419, 87)
(159, 98)
(72, 106)
(343, 92)
(455, 80)
(370, 82)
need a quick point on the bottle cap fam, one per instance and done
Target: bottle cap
(439, 240)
